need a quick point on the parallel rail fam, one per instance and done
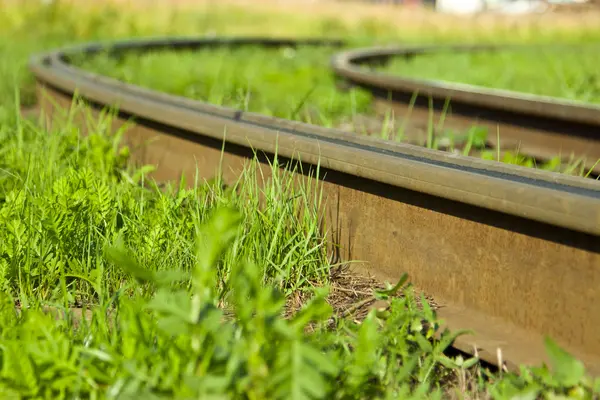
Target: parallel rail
(540, 126)
(509, 252)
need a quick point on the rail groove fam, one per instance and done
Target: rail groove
(509, 252)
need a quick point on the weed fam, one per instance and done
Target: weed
(114, 287)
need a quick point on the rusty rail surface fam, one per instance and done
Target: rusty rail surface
(509, 252)
(539, 126)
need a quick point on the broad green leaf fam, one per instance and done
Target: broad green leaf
(176, 304)
(567, 370)
(121, 257)
(448, 338)
(596, 386)
(446, 362)
(423, 343)
(384, 294)
(212, 239)
(427, 311)
(320, 360)
(507, 390)
(173, 325)
(407, 368)
(164, 278)
(142, 172)
(470, 362)
(577, 392)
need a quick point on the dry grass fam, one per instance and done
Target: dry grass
(406, 18)
(352, 296)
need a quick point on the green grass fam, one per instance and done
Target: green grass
(46, 178)
(40, 27)
(289, 83)
(565, 72)
(187, 285)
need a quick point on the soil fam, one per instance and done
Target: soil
(352, 296)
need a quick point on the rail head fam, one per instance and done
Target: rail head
(555, 199)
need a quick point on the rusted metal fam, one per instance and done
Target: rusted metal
(509, 252)
(539, 126)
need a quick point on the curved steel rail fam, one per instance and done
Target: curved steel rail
(510, 252)
(540, 126)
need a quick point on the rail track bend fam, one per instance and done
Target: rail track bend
(509, 252)
(540, 126)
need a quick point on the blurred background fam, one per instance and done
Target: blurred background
(30, 26)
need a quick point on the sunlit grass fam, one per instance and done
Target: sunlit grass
(186, 284)
(563, 72)
(188, 288)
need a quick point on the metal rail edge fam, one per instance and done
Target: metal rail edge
(541, 126)
(510, 252)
